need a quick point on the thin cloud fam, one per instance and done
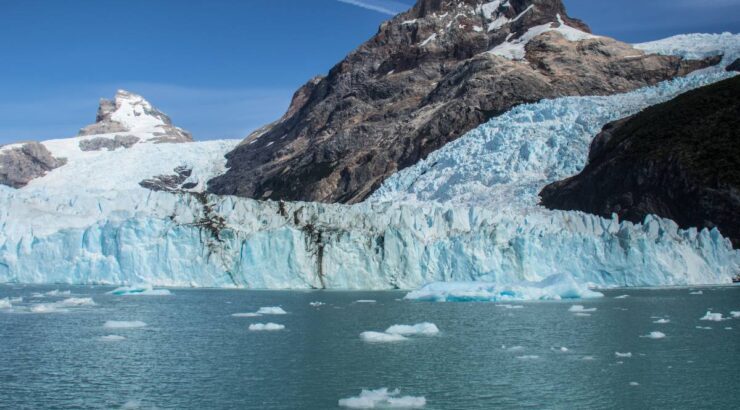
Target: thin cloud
(388, 7)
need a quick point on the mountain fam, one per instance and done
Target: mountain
(428, 76)
(679, 160)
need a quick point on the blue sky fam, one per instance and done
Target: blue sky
(224, 67)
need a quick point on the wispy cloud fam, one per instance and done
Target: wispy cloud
(388, 7)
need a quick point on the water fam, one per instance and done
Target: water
(193, 354)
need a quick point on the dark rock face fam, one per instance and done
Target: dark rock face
(111, 144)
(169, 183)
(679, 160)
(18, 166)
(422, 81)
(735, 66)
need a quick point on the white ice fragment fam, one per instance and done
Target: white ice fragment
(618, 354)
(317, 304)
(5, 303)
(72, 302)
(564, 349)
(511, 306)
(381, 337)
(425, 329)
(124, 324)
(735, 314)
(698, 292)
(704, 327)
(634, 384)
(580, 308)
(272, 310)
(140, 290)
(247, 314)
(621, 297)
(57, 292)
(588, 358)
(655, 335)
(266, 327)
(728, 328)
(528, 357)
(713, 317)
(111, 338)
(383, 398)
(365, 301)
(662, 321)
(515, 348)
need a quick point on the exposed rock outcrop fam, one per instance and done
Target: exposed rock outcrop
(131, 113)
(111, 144)
(170, 183)
(428, 76)
(19, 164)
(735, 66)
(679, 160)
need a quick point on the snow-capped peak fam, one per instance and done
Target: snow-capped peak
(133, 114)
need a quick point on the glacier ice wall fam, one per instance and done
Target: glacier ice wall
(467, 213)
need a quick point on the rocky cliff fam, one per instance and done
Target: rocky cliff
(428, 76)
(679, 160)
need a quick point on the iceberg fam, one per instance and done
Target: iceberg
(381, 337)
(425, 329)
(271, 310)
(713, 317)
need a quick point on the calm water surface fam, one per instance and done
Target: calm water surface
(194, 355)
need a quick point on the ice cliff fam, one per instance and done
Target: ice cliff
(467, 213)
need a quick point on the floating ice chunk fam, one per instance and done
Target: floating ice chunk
(554, 287)
(266, 327)
(124, 324)
(317, 304)
(662, 321)
(111, 338)
(381, 337)
(77, 302)
(628, 354)
(140, 290)
(698, 292)
(383, 398)
(588, 358)
(655, 335)
(515, 348)
(634, 384)
(511, 306)
(271, 310)
(735, 314)
(713, 317)
(46, 308)
(528, 357)
(580, 309)
(728, 328)
(425, 328)
(57, 292)
(564, 349)
(365, 301)
(621, 297)
(704, 327)
(248, 314)
(5, 303)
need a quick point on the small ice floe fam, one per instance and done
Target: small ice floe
(514, 348)
(271, 310)
(365, 301)
(634, 384)
(560, 349)
(655, 335)
(381, 337)
(5, 303)
(528, 357)
(266, 327)
(735, 314)
(317, 304)
(111, 338)
(425, 329)
(704, 327)
(139, 290)
(618, 354)
(511, 306)
(580, 309)
(383, 398)
(713, 317)
(124, 324)
(45, 308)
(73, 302)
(57, 292)
(698, 292)
(247, 314)
(621, 297)
(588, 358)
(728, 328)
(662, 321)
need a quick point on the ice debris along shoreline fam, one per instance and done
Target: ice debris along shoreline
(79, 226)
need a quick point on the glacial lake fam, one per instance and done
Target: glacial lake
(189, 352)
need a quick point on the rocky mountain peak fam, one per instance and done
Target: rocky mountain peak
(132, 113)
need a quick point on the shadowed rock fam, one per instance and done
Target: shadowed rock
(679, 160)
(18, 166)
(111, 144)
(169, 183)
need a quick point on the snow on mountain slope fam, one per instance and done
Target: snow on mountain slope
(90, 221)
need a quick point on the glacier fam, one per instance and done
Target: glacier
(468, 213)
